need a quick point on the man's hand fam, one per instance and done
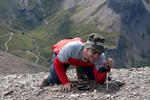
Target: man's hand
(109, 62)
(68, 86)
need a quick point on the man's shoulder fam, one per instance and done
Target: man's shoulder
(66, 42)
(74, 46)
(71, 50)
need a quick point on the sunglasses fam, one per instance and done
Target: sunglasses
(95, 52)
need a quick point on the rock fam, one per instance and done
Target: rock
(126, 84)
(26, 86)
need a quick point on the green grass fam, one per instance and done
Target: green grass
(19, 42)
(4, 29)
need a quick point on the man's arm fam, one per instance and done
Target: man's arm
(59, 67)
(101, 77)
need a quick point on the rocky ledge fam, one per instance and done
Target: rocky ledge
(135, 85)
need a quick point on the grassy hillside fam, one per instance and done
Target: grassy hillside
(51, 25)
(21, 19)
(19, 42)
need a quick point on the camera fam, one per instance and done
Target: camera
(104, 69)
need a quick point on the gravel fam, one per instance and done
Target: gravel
(132, 84)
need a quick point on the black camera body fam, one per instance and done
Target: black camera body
(104, 69)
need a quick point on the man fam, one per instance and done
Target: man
(87, 56)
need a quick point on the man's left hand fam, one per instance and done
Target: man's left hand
(109, 62)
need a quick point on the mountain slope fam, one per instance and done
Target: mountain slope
(26, 86)
(10, 64)
(135, 32)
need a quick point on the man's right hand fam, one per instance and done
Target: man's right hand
(68, 86)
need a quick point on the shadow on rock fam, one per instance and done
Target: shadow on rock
(113, 87)
(90, 86)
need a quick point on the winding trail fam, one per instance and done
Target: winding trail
(5, 35)
(11, 34)
(27, 51)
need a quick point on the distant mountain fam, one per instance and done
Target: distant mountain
(39, 24)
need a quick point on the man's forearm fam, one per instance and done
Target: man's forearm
(59, 67)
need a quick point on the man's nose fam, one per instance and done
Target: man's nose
(96, 56)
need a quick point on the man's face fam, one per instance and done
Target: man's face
(93, 54)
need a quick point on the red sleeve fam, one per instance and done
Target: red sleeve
(59, 67)
(99, 77)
